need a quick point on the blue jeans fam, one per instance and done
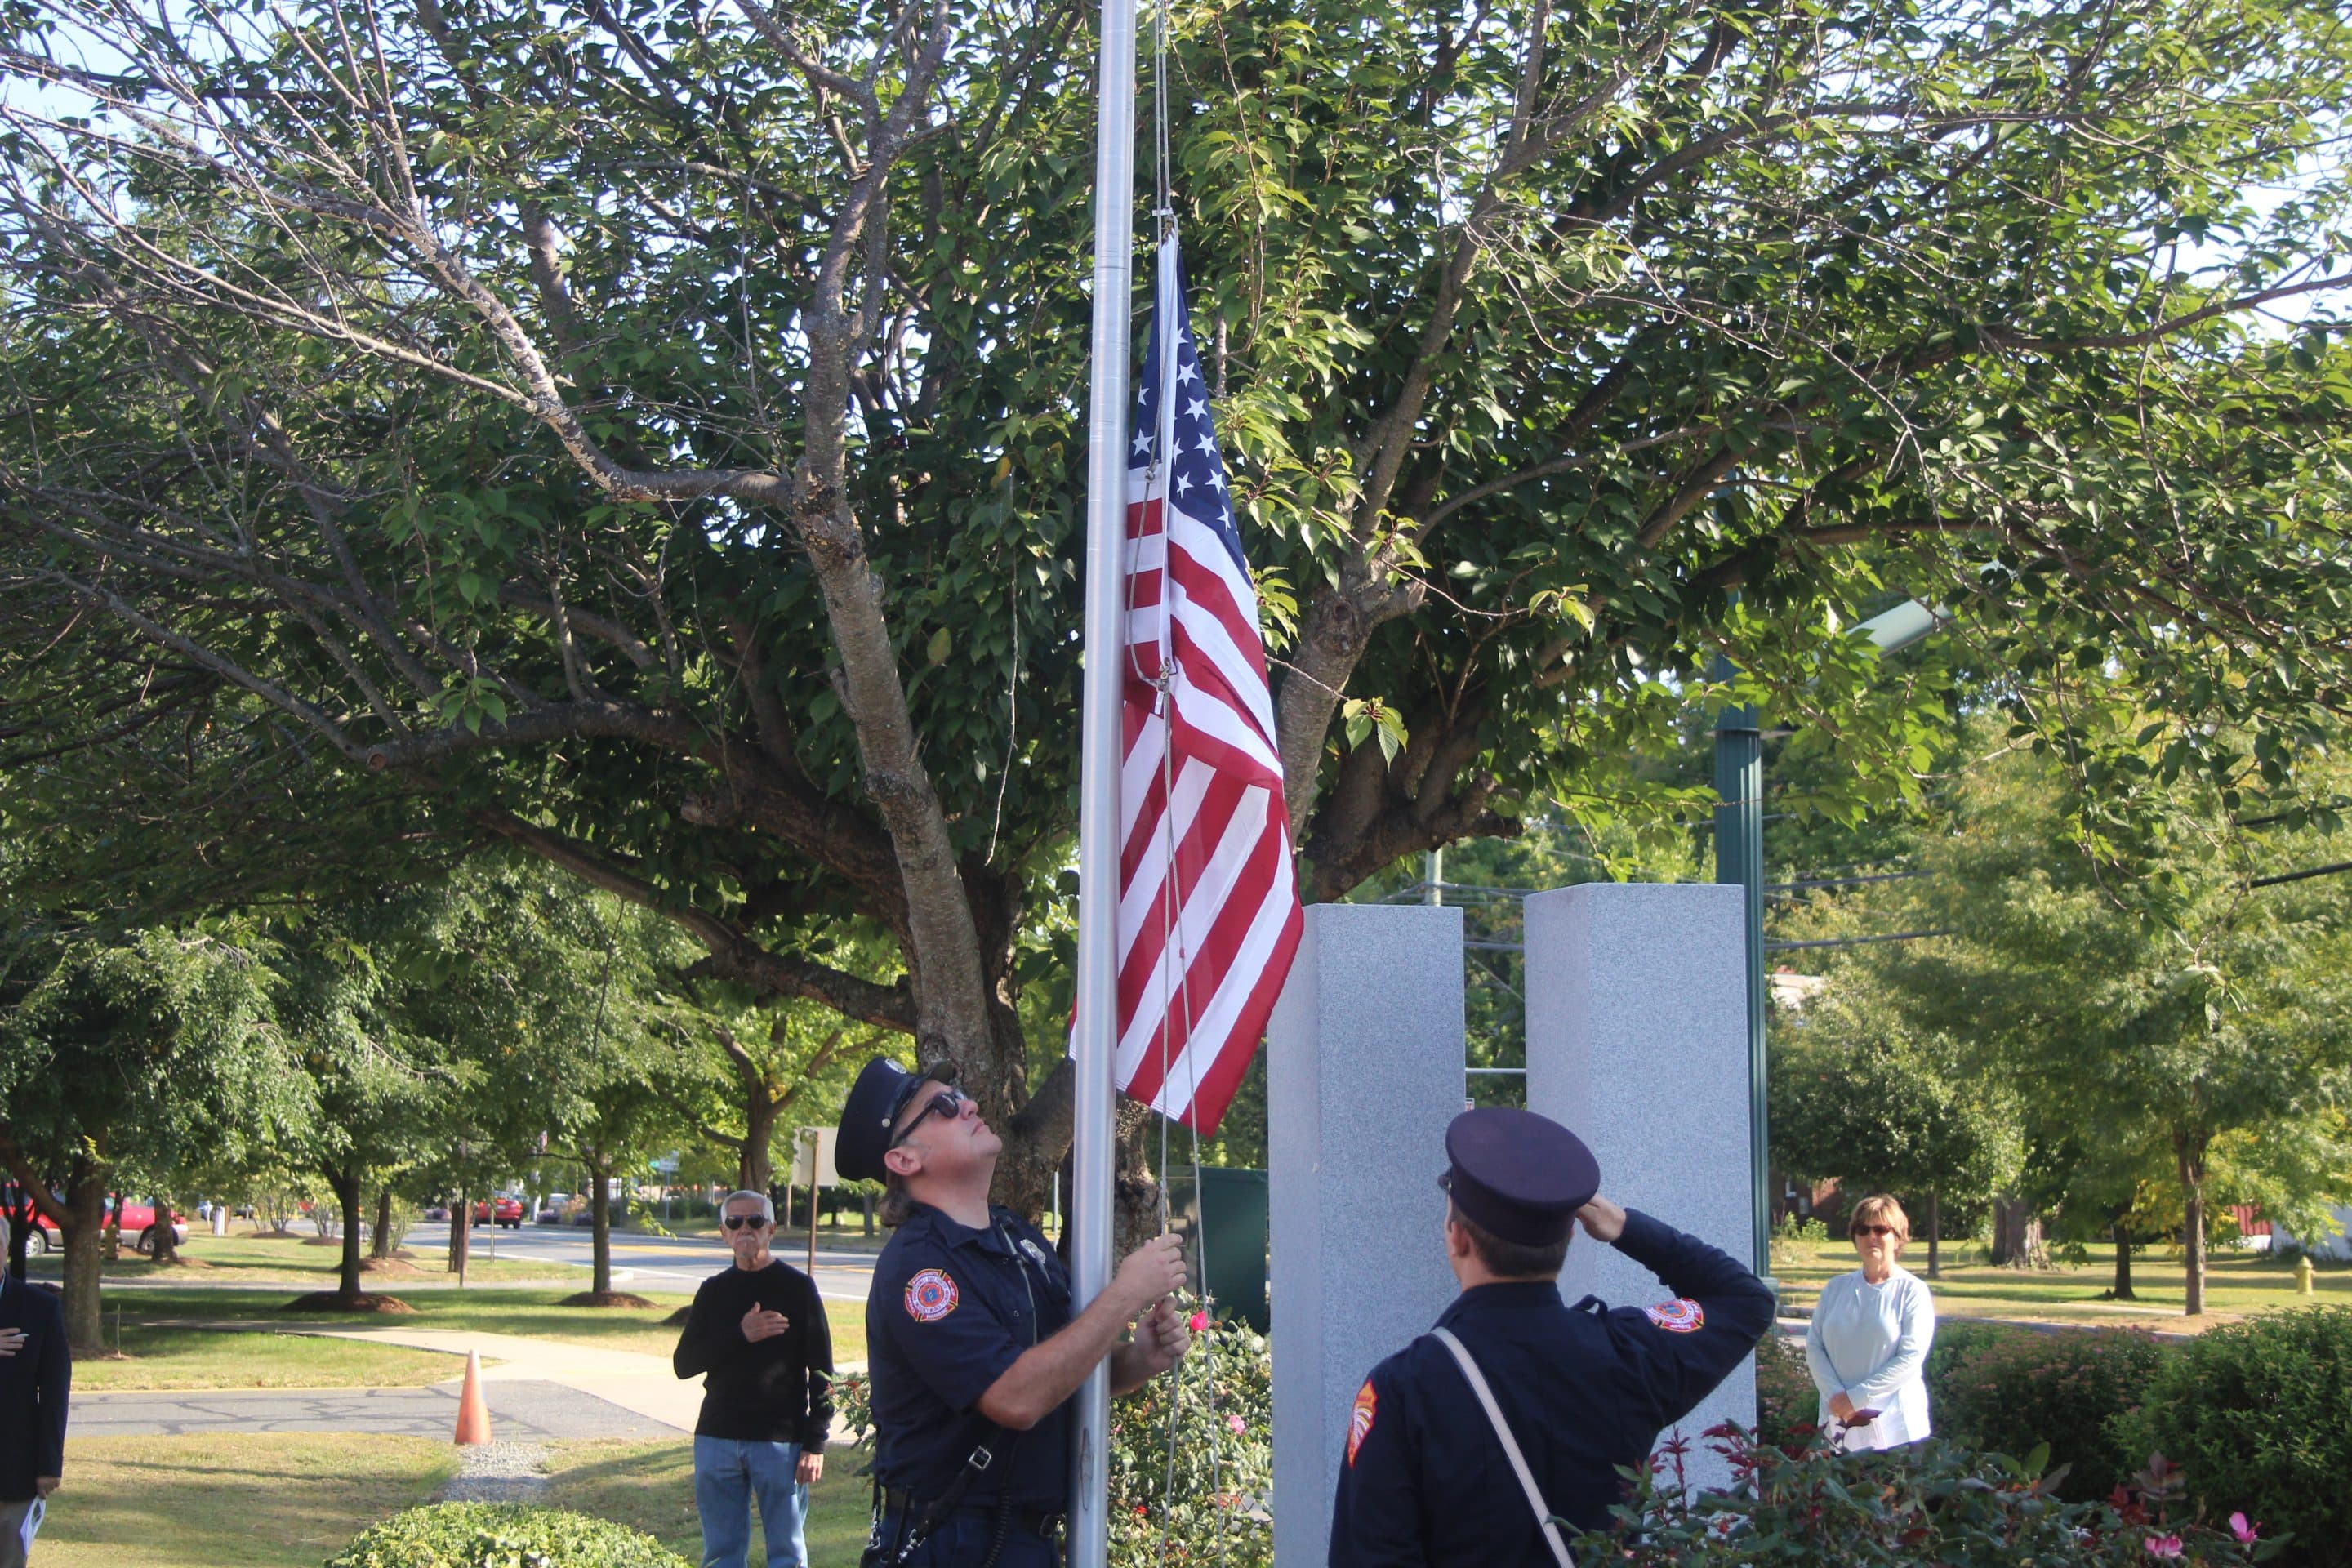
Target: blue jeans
(727, 1472)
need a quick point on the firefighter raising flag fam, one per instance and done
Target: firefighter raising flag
(1208, 909)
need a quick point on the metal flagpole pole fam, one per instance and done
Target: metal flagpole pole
(1110, 417)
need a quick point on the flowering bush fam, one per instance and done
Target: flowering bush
(1211, 1488)
(1934, 1503)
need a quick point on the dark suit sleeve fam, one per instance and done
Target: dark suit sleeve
(818, 1342)
(57, 1394)
(1376, 1517)
(1687, 1345)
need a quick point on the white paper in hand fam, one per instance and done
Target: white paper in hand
(32, 1523)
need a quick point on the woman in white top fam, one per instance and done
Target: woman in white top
(1868, 1343)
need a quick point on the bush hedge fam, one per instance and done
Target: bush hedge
(1932, 1502)
(501, 1535)
(2259, 1417)
(1787, 1404)
(2012, 1393)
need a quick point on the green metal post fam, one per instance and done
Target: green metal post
(1739, 860)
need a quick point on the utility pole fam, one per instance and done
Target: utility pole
(1739, 860)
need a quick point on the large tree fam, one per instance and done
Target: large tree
(2155, 996)
(123, 1057)
(650, 435)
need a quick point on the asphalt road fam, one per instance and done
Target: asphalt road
(648, 1262)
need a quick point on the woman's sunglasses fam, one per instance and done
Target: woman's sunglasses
(743, 1221)
(946, 1103)
(1873, 1230)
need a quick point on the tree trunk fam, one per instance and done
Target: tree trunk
(21, 1213)
(2123, 1286)
(461, 1224)
(162, 1241)
(83, 1237)
(380, 1244)
(1935, 1237)
(867, 1201)
(2017, 1238)
(600, 1228)
(2193, 1183)
(346, 1182)
(757, 1166)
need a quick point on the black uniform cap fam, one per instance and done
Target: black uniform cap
(1517, 1176)
(880, 1093)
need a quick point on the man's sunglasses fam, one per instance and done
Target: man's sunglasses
(1873, 1230)
(948, 1102)
(744, 1221)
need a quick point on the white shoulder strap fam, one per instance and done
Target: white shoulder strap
(1478, 1379)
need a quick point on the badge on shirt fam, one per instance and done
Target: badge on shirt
(1360, 1420)
(1680, 1316)
(931, 1296)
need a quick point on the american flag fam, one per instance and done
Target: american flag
(1208, 911)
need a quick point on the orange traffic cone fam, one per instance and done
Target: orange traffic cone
(473, 1414)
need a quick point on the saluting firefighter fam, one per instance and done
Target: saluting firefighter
(974, 1351)
(1518, 1406)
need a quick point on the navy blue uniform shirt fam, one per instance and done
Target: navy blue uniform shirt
(950, 1309)
(1424, 1480)
(35, 1386)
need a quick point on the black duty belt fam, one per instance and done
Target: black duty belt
(898, 1503)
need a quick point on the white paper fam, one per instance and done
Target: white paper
(32, 1523)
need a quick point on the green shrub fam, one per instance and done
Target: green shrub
(1932, 1502)
(2013, 1393)
(2259, 1415)
(1788, 1405)
(1957, 1342)
(501, 1535)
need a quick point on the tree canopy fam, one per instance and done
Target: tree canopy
(650, 435)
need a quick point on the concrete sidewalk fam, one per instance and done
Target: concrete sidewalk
(643, 1385)
(523, 1410)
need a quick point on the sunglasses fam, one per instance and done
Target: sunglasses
(1873, 1230)
(744, 1221)
(948, 1102)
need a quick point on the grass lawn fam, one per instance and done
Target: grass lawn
(650, 1487)
(209, 1358)
(2236, 1283)
(277, 1499)
(300, 1258)
(174, 1356)
(293, 1499)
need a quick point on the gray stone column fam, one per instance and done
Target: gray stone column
(1637, 1041)
(1363, 1072)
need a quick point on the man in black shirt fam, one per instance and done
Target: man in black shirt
(35, 1380)
(758, 1330)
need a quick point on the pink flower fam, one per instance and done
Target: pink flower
(2245, 1532)
(1197, 1322)
(2163, 1545)
(1235, 1424)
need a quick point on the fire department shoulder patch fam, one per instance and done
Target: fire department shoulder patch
(1360, 1420)
(931, 1296)
(1680, 1316)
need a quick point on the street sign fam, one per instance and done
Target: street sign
(820, 1139)
(666, 1164)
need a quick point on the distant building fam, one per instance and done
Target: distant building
(2337, 1247)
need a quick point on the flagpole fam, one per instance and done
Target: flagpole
(1110, 417)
